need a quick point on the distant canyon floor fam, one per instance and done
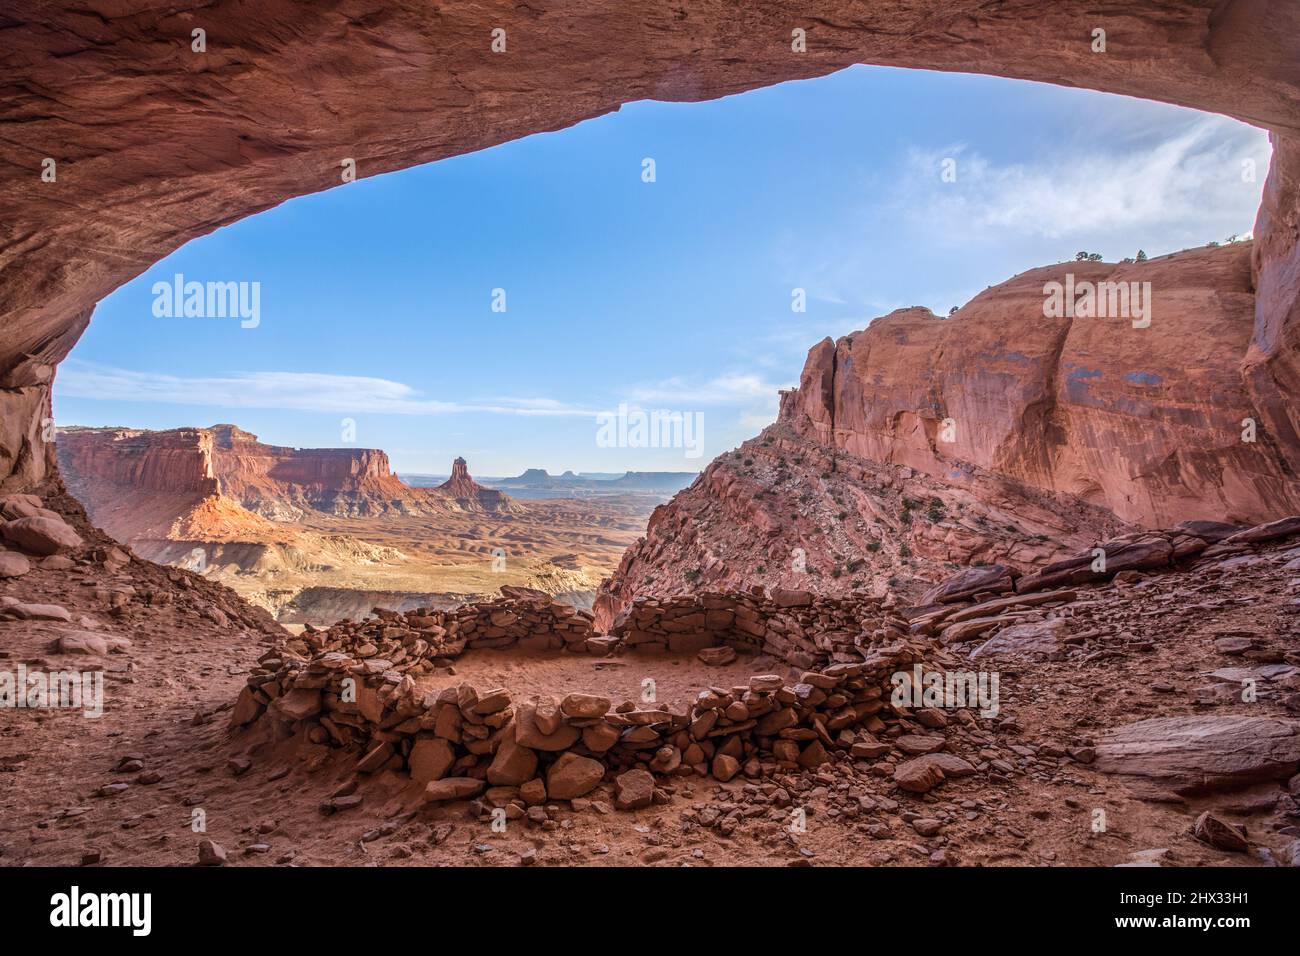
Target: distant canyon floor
(563, 546)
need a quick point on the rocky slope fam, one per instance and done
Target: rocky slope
(996, 435)
(786, 511)
(1182, 741)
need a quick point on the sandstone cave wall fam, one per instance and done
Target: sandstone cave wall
(156, 144)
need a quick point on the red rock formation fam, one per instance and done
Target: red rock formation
(395, 83)
(168, 462)
(281, 482)
(787, 510)
(1034, 435)
(103, 464)
(469, 495)
(1271, 370)
(460, 484)
(220, 483)
(139, 485)
(1147, 422)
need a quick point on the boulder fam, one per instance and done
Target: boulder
(1200, 754)
(813, 756)
(529, 734)
(996, 606)
(211, 854)
(785, 597)
(375, 757)
(585, 705)
(918, 744)
(1034, 639)
(89, 642)
(634, 789)
(918, 776)
(41, 535)
(1210, 531)
(995, 579)
(247, 708)
(1142, 552)
(1271, 531)
(950, 764)
(20, 506)
(513, 764)
(36, 612)
(299, 704)
(1220, 834)
(974, 628)
(725, 767)
(430, 759)
(599, 737)
(13, 565)
(453, 788)
(573, 776)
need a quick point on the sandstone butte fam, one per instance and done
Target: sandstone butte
(220, 483)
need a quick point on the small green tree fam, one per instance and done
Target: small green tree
(1141, 256)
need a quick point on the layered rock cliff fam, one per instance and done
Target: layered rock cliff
(174, 471)
(1154, 422)
(105, 466)
(164, 462)
(283, 483)
(999, 435)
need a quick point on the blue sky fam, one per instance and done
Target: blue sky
(375, 296)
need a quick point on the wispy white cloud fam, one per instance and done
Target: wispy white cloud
(751, 400)
(1187, 183)
(727, 389)
(756, 421)
(1126, 174)
(296, 391)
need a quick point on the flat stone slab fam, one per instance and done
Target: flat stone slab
(1034, 639)
(1264, 672)
(1191, 755)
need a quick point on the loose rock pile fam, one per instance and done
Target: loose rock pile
(804, 630)
(356, 687)
(31, 527)
(977, 603)
(798, 627)
(418, 641)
